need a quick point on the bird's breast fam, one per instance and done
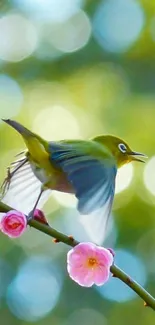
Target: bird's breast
(40, 173)
(55, 180)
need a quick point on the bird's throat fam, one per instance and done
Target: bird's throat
(38, 154)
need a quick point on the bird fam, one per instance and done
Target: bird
(84, 168)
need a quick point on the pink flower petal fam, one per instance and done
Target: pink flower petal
(76, 259)
(81, 276)
(88, 264)
(13, 223)
(104, 256)
(86, 280)
(80, 253)
(85, 248)
(101, 275)
(76, 271)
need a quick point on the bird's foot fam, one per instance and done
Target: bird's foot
(6, 184)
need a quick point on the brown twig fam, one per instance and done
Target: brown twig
(69, 240)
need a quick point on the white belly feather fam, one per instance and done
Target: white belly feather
(39, 173)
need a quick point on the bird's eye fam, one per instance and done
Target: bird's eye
(122, 147)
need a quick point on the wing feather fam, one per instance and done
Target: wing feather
(22, 190)
(93, 179)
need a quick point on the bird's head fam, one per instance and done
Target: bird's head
(120, 150)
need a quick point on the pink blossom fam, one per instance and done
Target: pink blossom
(39, 216)
(13, 223)
(88, 264)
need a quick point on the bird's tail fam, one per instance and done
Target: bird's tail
(37, 146)
(19, 128)
(21, 187)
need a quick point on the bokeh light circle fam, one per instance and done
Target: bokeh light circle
(117, 24)
(149, 175)
(146, 248)
(124, 177)
(35, 290)
(152, 28)
(56, 123)
(49, 10)
(11, 97)
(118, 291)
(5, 276)
(18, 37)
(46, 51)
(65, 199)
(71, 35)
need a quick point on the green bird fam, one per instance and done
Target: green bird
(85, 168)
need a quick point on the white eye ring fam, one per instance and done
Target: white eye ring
(122, 147)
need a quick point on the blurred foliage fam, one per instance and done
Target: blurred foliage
(76, 69)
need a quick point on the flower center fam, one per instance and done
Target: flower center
(92, 262)
(15, 225)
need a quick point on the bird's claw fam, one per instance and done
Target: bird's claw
(6, 184)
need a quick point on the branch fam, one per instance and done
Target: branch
(115, 270)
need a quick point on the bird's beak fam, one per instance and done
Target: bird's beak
(135, 156)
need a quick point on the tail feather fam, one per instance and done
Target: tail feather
(37, 147)
(18, 127)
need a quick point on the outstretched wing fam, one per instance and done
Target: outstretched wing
(93, 179)
(21, 187)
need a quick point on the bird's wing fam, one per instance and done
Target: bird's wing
(93, 179)
(21, 187)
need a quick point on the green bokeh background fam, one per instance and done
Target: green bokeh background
(105, 92)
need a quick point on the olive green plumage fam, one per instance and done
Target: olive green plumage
(86, 168)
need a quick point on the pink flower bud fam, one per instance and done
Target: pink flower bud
(88, 264)
(13, 223)
(111, 251)
(39, 216)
